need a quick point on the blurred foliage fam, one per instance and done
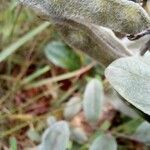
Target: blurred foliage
(39, 75)
(62, 56)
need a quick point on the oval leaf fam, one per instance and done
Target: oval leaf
(131, 79)
(104, 142)
(33, 135)
(51, 120)
(93, 100)
(62, 55)
(143, 132)
(56, 137)
(126, 16)
(73, 107)
(78, 135)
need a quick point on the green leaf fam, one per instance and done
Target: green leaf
(62, 55)
(56, 137)
(143, 132)
(104, 142)
(13, 143)
(130, 77)
(93, 100)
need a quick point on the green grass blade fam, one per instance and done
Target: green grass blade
(14, 47)
(36, 74)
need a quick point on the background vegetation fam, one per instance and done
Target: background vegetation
(36, 82)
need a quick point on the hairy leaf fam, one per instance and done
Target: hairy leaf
(79, 135)
(131, 78)
(143, 132)
(119, 15)
(33, 135)
(96, 41)
(104, 142)
(55, 137)
(51, 120)
(93, 100)
(73, 107)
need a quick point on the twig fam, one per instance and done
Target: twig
(62, 77)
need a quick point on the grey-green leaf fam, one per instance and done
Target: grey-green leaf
(33, 135)
(130, 77)
(62, 55)
(51, 120)
(93, 100)
(56, 137)
(143, 132)
(119, 15)
(104, 142)
(78, 135)
(73, 107)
